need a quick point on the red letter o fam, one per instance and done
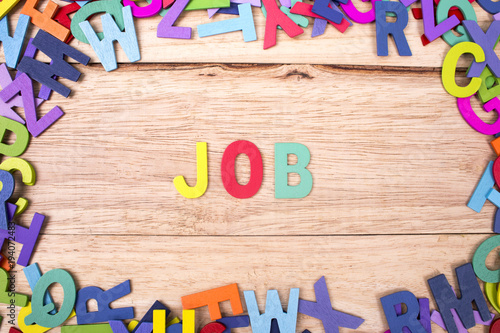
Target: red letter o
(228, 174)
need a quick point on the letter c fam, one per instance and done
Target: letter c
(450, 67)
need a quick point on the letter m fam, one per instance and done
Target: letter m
(470, 293)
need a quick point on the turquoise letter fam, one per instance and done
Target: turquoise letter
(281, 170)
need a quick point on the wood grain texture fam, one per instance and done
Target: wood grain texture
(358, 270)
(357, 46)
(388, 156)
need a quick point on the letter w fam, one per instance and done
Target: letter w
(104, 48)
(287, 321)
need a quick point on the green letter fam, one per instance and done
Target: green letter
(281, 170)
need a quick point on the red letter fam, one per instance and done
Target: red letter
(228, 173)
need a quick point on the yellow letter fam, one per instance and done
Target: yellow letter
(34, 328)
(202, 173)
(450, 66)
(6, 6)
(188, 325)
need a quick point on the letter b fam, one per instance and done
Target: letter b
(282, 169)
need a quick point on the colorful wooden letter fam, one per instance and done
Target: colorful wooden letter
(491, 291)
(322, 8)
(56, 50)
(228, 172)
(234, 322)
(495, 327)
(436, 318)
(287, 321)
(26, 236)
(159, 321)
(112, 7)
(396, 29)
(450, 67)
(44, 20)
(151, 9)
(274, 18)
(117, 326)
(8, 295)
(487, 41)
(244, 23)
(206, 4)
(409, 319)
(63, 18)
(492, 7)
(470, 292)
(188, 321)
(17, 101)
(104, 298)
(166, 27)
(496, 224)
(23, 85)
(175, 328)
(297, 18)
(147, 319)
(212, 298)
(197, 191)
(465, 11)
(34, 328)
(465, 108)
(22, 137)
(479, 264)
(31, 51)
(28, 176)
(94, 328)
(33, 274)
(490, 86)
(322, 310)
(8, 184)
(431, 30)
(41, 312)
(485, 191)
(424, 316)
(282, 169)
(319, 23)
(212, 328)
(357, 16)
(6, 6)
(12, 46)
(104, 48)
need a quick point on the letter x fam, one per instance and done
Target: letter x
(322, 309)
(488, 42)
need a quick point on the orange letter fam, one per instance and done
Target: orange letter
(45, 20)
(212, 298)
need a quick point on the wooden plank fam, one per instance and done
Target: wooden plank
(357, 46)
(390, 152)
(358, 270)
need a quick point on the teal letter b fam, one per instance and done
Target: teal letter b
(281, 170)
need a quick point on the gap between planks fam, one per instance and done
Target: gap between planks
(337, 68)
(271, 236)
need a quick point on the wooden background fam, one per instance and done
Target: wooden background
(393, 163)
